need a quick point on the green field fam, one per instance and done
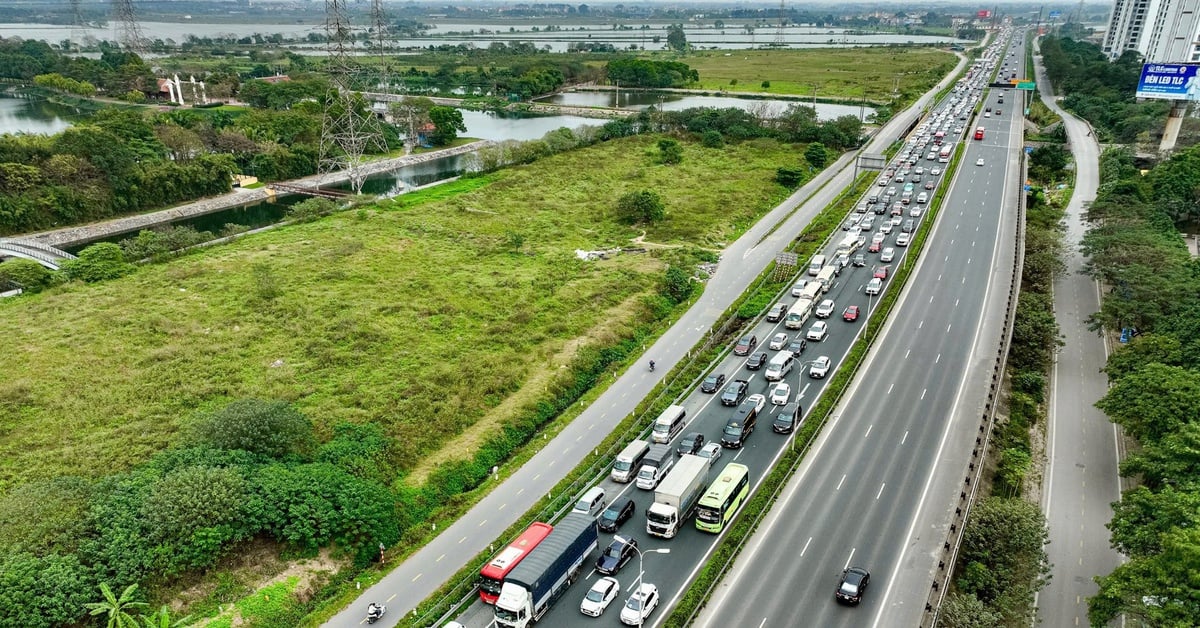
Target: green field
(421, 316)
(848, 73)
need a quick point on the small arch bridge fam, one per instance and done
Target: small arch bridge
(43, 254)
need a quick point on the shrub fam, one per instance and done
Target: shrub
(26, 273)
(98, 262)
(640, 206)
(269, 428)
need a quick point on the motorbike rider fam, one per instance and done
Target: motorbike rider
(651, 365)
(374, 610)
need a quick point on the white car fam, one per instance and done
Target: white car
(780, 394)
(820, 367)
(824, 310)
(639, 605)
(759, 401)
(979, 162)
(887, 255)
(915, 212)
(798, 287)
(601, 595)
(866, 223)
(903, 238)
(779, 341)
(885, 228)
(711, 452)
(896, 220)
(935, 171)
(875, 285)
(878, 238)
(818, 331)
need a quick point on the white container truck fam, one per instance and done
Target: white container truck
(676, 496)
(532, 587)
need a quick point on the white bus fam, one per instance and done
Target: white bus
(799, 313)
(812, 290)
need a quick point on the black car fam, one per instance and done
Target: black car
(735, 392)
(777, 313)
(852, 585)
(615, 556)
(797, 347)
(617, 513)
(690, 444)
(860, 260)
(745, 345)
(712, 383)
(787, 419)
(756, 361)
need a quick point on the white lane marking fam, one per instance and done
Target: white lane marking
(904, 438)
(806, 543)
(439, 558)
(839, 486)
(923, 391)
(891, 387)
(849, 558)
(869, 427)
(937, 359)
(880, 491)
(921, 324)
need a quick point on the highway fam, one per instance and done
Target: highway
(1082, 479)
(879, 488)
(672, 572)
(405, 587)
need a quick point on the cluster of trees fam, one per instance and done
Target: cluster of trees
(1102, 91)
(114, 73)
(1153, 285)
(63, 84)
(251, 469)
(632, 72)
(500, 69)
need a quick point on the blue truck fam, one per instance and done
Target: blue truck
(547, 572)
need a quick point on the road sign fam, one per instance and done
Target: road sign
(1029, 85)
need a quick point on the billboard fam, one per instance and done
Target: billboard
(983, 14)
(1054, 15)
(1169, 81)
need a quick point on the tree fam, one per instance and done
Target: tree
(1172, 461)
(670, 151)
(789, 177)
(447, 124)
(1158, 590)
(676, 40)
(1143, 517)
(642, 206)
(676, 285)
(270, 428)
(1153, 401)
(194, 513)
(98, 262)
(117, 608)
(1141, 350)
(964, 610)
(815, 154)
(410, 114)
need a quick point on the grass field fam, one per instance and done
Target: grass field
(419, 314)
(837, 72)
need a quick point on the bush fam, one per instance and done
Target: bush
(712, 139)
(270, 428)
(642, 206)
(789, 177)
(99, 262)
(28, 274)
(311, 209)
(37, 591)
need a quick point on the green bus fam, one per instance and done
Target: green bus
(723, 498)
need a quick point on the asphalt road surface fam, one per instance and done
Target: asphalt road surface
(1082, 479)
(426, 570)
(879, 488)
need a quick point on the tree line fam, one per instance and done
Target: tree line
(1102, 91)
(1152, 291)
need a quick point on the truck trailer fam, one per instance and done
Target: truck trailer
(676, 496)
(547, 572)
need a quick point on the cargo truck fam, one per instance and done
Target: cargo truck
(676, 496)
(547, 572)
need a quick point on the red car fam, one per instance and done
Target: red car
(851, 314)
(881, 272)
(874, 248)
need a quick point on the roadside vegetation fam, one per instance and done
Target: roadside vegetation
(379, 335)
(1151, 290)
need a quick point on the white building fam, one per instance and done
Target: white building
(1162, 31)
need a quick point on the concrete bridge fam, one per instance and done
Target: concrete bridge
(43, 254)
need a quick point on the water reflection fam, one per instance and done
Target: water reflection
(677, 102)
(20, 114)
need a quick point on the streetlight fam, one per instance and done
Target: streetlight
(637, 588)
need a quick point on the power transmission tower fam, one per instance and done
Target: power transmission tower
(78, 34)
(129, 32)
(380, 26)
(778, 43)
(349, 129)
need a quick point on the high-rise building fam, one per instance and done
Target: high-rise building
(1165, 31)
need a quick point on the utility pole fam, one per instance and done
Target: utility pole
(129, 32)
(782, 21)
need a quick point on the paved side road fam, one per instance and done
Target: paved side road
(431, 566)
(1082, 445)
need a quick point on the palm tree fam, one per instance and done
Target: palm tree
(117, 608)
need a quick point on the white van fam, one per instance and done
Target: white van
(849, 244)
(825, 278)
(668, 424)
(815, 266)
(779, 366)
(629, 461)
(593, 502)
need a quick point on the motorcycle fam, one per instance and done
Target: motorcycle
(651, 366)
(374, 612)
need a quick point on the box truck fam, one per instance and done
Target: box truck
(676, 496)
(544, 575)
